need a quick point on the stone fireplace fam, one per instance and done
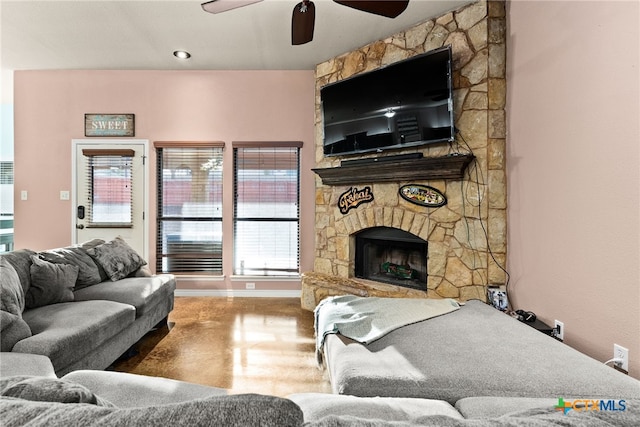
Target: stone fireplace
(465, 239)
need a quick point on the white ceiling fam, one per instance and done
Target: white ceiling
(142, 34)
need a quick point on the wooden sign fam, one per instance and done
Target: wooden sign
(422, 195)
(109, 125)
(353, 197)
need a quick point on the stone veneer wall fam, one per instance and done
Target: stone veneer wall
(460, 264)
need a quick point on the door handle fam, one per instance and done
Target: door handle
(79, 226)
(80, 212)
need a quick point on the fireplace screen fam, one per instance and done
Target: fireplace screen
(392, 256)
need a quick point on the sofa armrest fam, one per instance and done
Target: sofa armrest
(13, 363)
(131, 390)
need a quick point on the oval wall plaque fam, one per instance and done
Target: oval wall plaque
(422, 195)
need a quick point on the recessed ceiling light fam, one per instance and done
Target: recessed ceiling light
(182, 54)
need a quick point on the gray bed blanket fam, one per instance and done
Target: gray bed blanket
(366, 319)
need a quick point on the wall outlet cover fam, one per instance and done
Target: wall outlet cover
(619, 352)
(559, 330)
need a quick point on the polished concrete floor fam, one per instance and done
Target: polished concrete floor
(246, 345)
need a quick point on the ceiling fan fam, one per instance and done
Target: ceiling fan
(304, 13)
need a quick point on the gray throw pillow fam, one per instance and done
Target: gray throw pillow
(21, 261)
(44, 389)
(117, 258)
(90, 245)
(143, 271)
(88, 273)
(50, 283)
(11, 292)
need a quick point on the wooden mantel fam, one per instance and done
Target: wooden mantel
(426, 168)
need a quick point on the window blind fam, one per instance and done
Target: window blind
(266, 210)
(109, 186)
(189, 232)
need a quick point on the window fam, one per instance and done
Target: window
(6, 172)
(266, 209)
(189, 232)
(109, 182)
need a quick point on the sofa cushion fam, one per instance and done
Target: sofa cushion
(44, 389)
(21, 261)
(14, 363)
(68, 331)
(237, 410)
(460, 355)
(538, 417)
(12, 330)
(50, 283)
(88, 272)
(319, 405)
(488, 406)
(141, 292)
(117, 258)
(11, 292)
(130, 390)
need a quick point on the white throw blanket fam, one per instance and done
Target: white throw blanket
(365, 319)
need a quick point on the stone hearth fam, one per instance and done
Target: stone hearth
(467, 236)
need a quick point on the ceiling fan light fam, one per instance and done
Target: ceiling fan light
(217, 6)
(182, 54)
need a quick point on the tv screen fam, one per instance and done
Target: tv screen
(405, 104)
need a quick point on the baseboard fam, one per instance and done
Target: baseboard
(252, 293)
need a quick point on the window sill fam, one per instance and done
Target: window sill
(265, 278)
(199, 277)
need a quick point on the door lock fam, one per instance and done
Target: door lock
(79, 226)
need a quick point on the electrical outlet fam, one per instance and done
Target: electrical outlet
(64, 195)
(559, 330)
(24, 195)
(250, 285)
(619, 352)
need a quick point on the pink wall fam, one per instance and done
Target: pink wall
(573, 170)
(168, 106)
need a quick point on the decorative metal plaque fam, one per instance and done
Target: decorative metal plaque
(353, 197)
(422, 195)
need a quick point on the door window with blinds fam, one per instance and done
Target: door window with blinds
(109, 183)
(189, 236)
(266, 209)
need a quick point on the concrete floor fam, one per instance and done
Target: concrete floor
(246, 345)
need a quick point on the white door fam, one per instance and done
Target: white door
(110, 195)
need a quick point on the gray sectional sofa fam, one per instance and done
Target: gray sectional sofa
(81, 306)
(378, 384)
(31, 394)
(473, 351)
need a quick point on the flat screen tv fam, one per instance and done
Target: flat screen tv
(405, 104)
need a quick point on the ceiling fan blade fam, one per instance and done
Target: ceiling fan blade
(303, 22)
(217, 6)
(388, 8)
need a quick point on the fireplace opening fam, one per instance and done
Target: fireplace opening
(391, 255)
